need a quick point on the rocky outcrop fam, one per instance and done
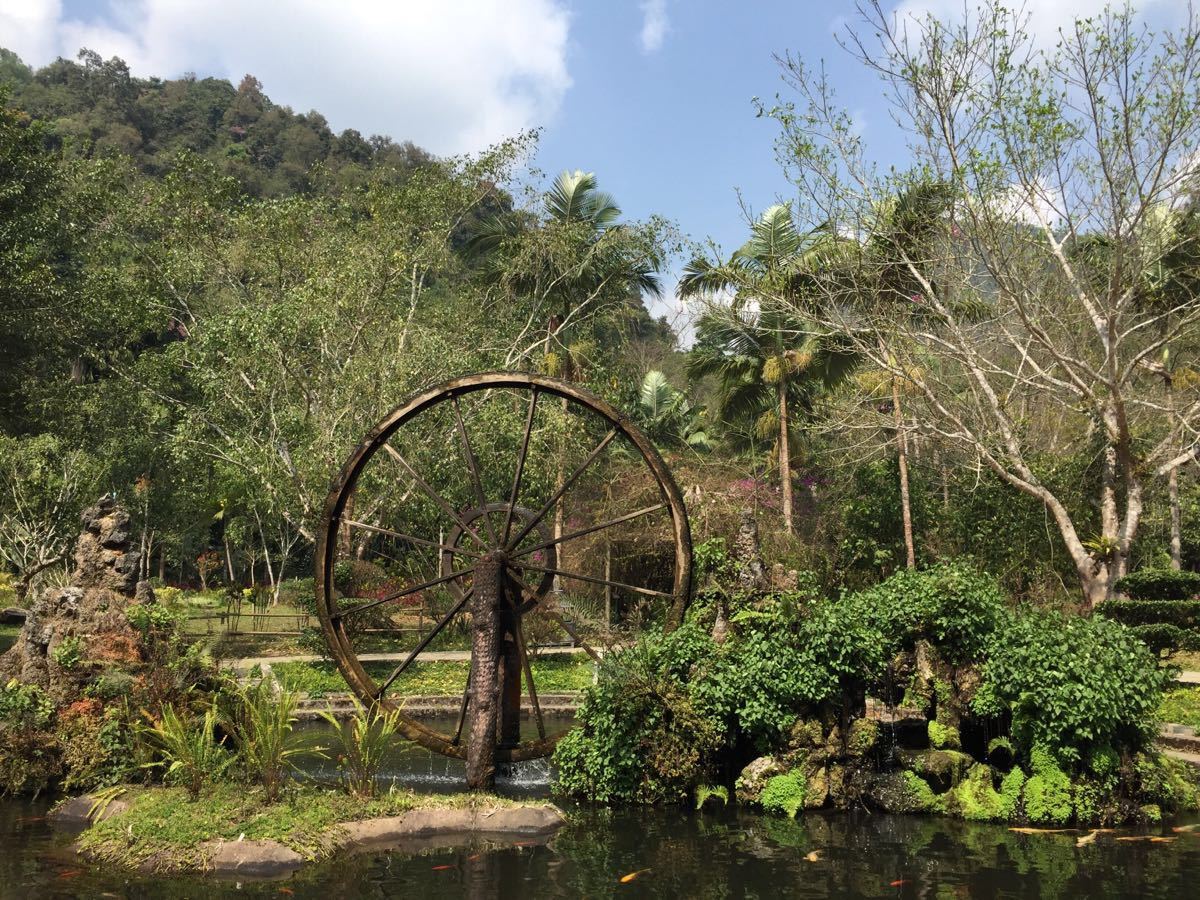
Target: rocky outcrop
(71, 630)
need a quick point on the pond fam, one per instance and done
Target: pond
(675, 853)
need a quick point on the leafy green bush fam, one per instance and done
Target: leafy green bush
(1160, 584)
(1071, 684)
(643, 737)
(1181, 613)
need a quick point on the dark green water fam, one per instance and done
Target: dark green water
(679, 855)
(723, 854)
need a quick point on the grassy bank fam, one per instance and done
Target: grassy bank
(551, 674)
(163, 829)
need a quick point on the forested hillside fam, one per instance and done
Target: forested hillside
(95, 107)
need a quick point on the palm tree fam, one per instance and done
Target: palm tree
(569, 261)
(668, 416)
(768, 358)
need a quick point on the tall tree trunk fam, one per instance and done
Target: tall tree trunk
(229, 561)
(1176, 519)
(785, 458)
(910, 554)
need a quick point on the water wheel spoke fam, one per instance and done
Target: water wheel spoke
(473, 466)
(433, 495)
(563, 488)
(433, 582)
(649, 592)
(412, 539)
(628, 517)
(425, 641)
(462, 709)
(516, 487)
(519, 634)
(559, 619)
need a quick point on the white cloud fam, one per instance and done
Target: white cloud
(451, 77)
(654, 24)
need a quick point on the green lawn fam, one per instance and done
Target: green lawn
(1181, 706)
(551, 674)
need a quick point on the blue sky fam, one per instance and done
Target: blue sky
(654, 96)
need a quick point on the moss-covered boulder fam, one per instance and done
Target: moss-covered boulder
(754, 777)
(941, 769)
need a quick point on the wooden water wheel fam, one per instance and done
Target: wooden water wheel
(484, 509)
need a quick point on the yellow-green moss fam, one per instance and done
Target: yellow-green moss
(784, 794)
(943, 737)
(1047, 793)
(921, 795)
(863, 735)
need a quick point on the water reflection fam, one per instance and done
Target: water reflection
(674, 853)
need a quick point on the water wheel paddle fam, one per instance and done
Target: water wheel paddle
(519, 506)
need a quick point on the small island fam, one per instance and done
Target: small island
(232, 831)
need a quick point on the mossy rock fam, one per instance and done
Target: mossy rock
(863, 736)
(806, 734)
(976, 799)
(944, 737)
(1166, 782)
(750, 783)
(943, 769)
(900, 792)
(817, 791)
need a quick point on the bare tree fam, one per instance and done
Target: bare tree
(1025, 309)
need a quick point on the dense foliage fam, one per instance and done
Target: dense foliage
(1050, 694)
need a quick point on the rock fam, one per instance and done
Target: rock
(520, 821)
(754, 777)
(259, 859)
(942, 769)
(806, 733)
(751, 574)
(91, 610)
(818, 789)
(13, 615)
(77, 811)
(893, 793)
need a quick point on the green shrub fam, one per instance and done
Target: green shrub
(186, 751)
(644, 736)
(1160, 584)
(363, 742)
(1071, 684)
(168, 596)
(262, 722)
(784, 794)
(68, 652)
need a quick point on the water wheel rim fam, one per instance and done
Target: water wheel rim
(344, 655)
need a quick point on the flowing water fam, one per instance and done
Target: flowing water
(669, 853)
